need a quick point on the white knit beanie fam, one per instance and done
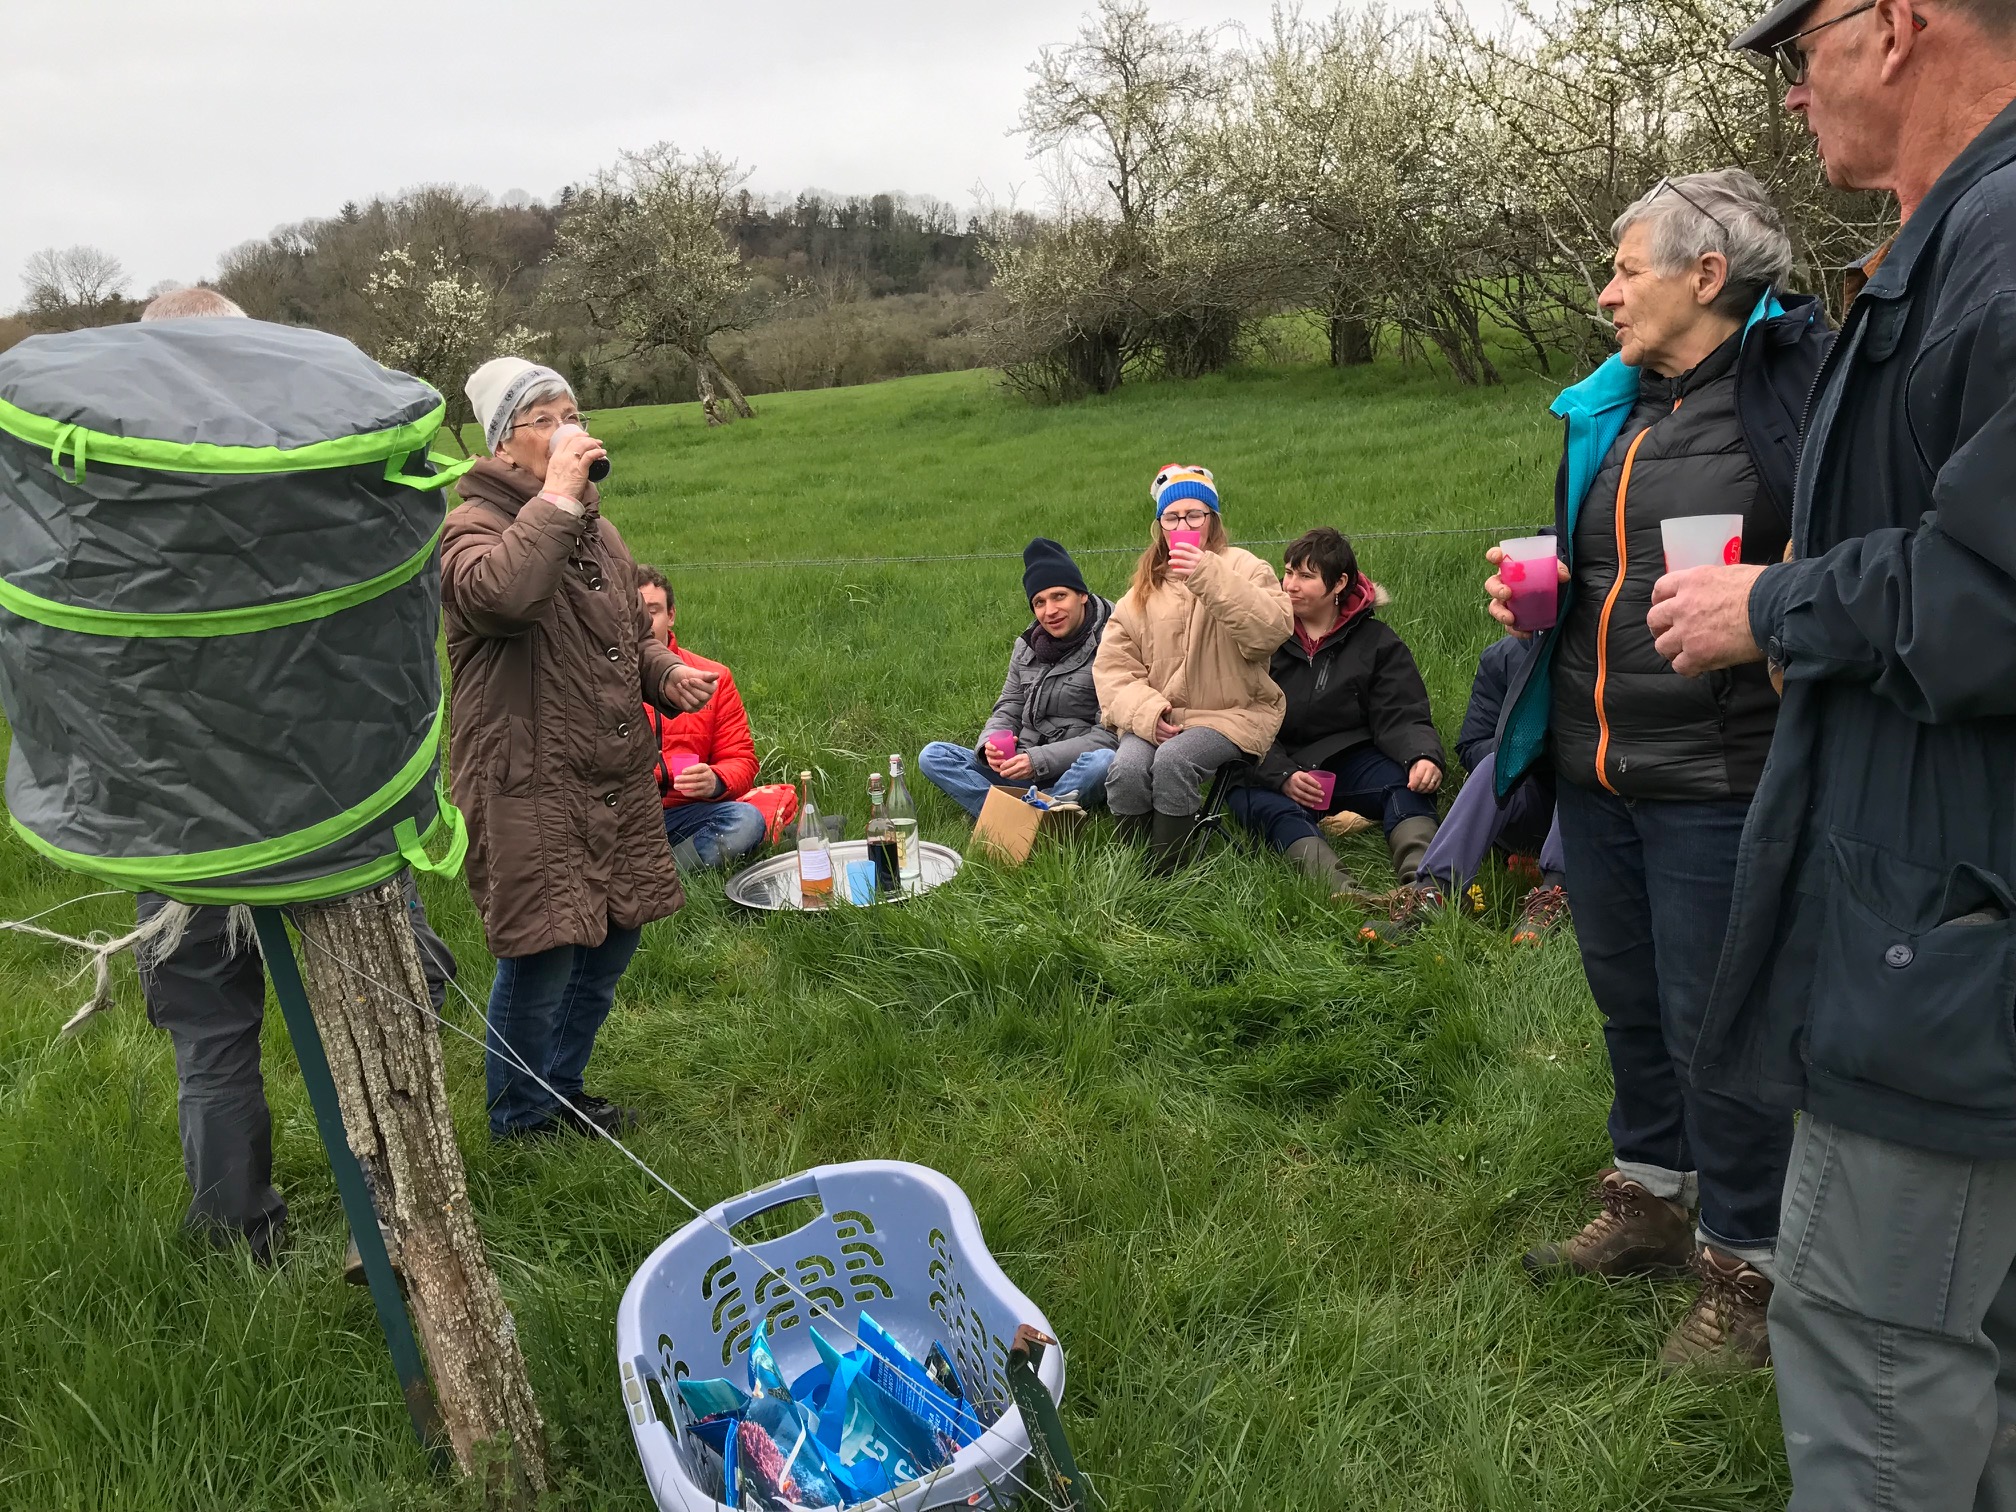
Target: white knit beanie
(497, 388)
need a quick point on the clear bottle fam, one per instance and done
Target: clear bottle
(815, 856)
(903, 818)
(882, 848)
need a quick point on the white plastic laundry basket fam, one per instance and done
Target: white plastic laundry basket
(896, 1239)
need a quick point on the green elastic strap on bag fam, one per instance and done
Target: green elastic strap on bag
(333, 885)
(446, 471)
(203, 457)
(414, 849)
(152, 872)
(207, 622)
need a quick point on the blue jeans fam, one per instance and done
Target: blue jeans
(959, 773)
(1369, 782)
(1652, 883)
(721, 831)
(1477, 821)
(548, 1007)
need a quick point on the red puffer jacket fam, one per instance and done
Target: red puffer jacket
(718, 735)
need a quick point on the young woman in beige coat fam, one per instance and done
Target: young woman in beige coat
(1182, 670)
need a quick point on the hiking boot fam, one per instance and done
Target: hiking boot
(609, 1117)
(1544, 908)
(1724, 1330)
(1636, 1234)
(1413, 906)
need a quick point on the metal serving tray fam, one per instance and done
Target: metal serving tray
(772, 885)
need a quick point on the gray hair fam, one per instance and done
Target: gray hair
(191, 304)
(1726, 211)
(542, 391)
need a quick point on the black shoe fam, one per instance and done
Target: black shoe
(609, 1117)
(546, 1128)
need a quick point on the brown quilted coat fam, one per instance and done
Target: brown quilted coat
(551, 757)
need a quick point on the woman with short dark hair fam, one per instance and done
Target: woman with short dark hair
(1357, 711)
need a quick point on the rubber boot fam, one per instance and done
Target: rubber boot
(1169, 841)
(1409, 843)
(1313, 857)
(1131, 828)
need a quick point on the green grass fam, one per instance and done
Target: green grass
(1269, 1187)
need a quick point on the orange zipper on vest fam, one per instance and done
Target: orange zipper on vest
(1610, 604)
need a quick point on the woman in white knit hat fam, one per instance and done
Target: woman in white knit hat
(551, 760)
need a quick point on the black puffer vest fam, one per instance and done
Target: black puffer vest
(1623, 719)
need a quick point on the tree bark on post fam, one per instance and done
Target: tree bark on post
(362, 976)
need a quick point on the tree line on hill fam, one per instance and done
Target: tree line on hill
(1419, 185)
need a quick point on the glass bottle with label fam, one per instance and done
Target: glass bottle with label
(903, 818)
(815, 856)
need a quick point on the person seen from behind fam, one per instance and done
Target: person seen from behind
(1182, 671)
(1522, 822)
(1697, 414)
(706, 758)
(1869, 974)
(549, 650)
(1356, 735)
(1047, 704)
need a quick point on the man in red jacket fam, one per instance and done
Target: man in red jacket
(706, 759)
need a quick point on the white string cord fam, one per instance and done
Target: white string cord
(518, 1062)
(100, 948)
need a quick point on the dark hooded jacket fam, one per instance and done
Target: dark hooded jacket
(1051, 705)
(1721, 439)
(1359, 686)
(1870, 971)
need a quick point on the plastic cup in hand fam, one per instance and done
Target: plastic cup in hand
(678, 761)
(1191, 538)
(1702, 541)
(597, 470)
(1530, 568)
(1002, 744)
(1326, 789)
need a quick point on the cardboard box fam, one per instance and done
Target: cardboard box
(1008, 827)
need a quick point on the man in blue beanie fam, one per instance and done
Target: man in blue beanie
(1044, 731)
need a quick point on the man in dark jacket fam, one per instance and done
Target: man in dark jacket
(1047, 704)
(1357, 713)
(1697, 415)
(1479, 820)
(1867, 973)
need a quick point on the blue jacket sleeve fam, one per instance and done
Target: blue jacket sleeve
(1925, 616)
(1479, 736)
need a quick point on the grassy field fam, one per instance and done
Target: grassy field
(1270, 1187)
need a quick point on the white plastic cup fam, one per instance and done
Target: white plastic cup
(1702, 541)
(1530, 568)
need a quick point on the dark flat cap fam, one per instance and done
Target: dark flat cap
(1773, 27)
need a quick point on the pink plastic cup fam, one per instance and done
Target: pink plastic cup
(678, 761)
(1194, 538)
(1326, 784)
(1002, 743)
(1702, 541)
(1530, 569)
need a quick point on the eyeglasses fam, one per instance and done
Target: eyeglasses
(1193, 519)
(545, 425)
(1791, 57)
(1666, 183)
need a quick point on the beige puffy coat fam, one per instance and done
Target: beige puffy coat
(1199, 649)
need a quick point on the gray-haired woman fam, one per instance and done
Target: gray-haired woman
(1698, 414)
(549, 649)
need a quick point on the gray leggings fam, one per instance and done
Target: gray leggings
(1168, 778)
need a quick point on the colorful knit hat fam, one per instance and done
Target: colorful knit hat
(1183, 480)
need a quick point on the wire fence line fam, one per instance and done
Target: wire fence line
(1016, 556)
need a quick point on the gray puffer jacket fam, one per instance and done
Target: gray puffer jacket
(1052, 706)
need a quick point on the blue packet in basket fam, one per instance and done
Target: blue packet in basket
(906, 1378)
(765, 1379)
(780, 1454)
(870, 1429)
(712, 1397)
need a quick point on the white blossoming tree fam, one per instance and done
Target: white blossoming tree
(439, 324)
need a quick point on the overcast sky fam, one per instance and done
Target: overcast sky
(166, 131)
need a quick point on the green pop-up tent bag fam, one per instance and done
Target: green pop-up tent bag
(219, 601)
